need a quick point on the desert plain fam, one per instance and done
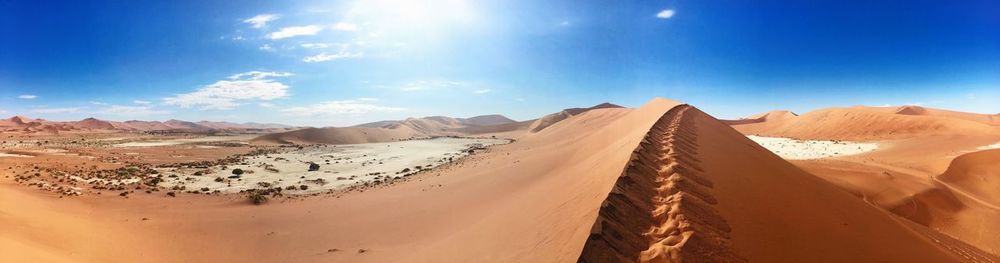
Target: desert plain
(663, 182)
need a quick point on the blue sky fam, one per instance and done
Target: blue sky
(326, 63)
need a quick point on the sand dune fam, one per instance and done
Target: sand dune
(976, 173)
(712, 194)
(865, 123)
(993, 119)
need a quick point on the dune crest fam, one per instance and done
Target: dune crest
(661, 209)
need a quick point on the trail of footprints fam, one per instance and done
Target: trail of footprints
(661, 208)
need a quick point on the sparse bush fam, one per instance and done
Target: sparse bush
(238, 171)
(313, 167)
(303, 187)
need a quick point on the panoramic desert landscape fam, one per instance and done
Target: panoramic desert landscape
(661, 182)
(499, 131)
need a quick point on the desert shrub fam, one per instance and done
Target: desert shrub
(313, 167)
(238, 171)
(303, 187)
(257, 198)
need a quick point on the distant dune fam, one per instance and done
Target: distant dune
(384, 131)
(867, 123)
(25, 124)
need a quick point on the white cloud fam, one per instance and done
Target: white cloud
(258, 75)
(97, 103)
(368, 99)
(666, 13)
(342, 54)
(266, 47)
(56, 110)
(316, 45)
(141, 102)
(27, 97)
(482, 91)
(266, 104)
(131, 110)
(342, 26)
(261, 20)
(224, 94)
(339, 107)
(564, 23)
(519, 99)
(294, 31)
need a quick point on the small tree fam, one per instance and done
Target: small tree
(238, 171)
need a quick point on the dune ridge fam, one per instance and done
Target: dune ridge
(660, 208)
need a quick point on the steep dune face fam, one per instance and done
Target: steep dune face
(861, 123)
(696, 190)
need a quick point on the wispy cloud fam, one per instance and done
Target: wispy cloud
(340, 107)
(257, 75)
(316, 45)
(665, 14)
(294, 31)
(266, 47)
(27, 97)
(57, 110)
(131, 110)
(430, 84)
(97, 103)
(260, 21)
(368, 99)
(481, 91)
(142, 102)
(225, 94)
(342, 26)
(342, 54)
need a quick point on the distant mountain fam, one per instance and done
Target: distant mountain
(26, 124)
